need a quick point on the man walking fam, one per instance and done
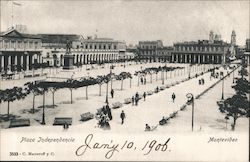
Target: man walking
(122, 116)
(136, 98)
(144, 96)
(173, 97)
(133, 100)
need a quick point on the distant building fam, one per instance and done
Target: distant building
(203, 51)
(248, 45)
(54, 47)
(153, 51)
(19, 51)
(85, 50)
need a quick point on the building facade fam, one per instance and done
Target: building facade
(85, 51)
(19, 51)
(153, 51)
(201, 52)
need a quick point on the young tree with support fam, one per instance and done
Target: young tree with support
(11, 95)
(31, 87)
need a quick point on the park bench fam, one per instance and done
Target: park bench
(19, 123)
(116, 105)
(150, 93)
(27, 76)
(87, 116)
(183, 107)
(162, 87)
(62, 121)
(127, 100)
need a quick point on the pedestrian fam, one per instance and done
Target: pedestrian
(141, 80)
(144, 96)
(157, 89)
(108, 111)
(122, 116)
(147, 128)
(136, 98)
(112, 93)
(173, 97)
(133, 100)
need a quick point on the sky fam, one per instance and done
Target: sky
(132, 20)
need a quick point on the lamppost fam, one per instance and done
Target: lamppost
(222, 91)
(162, 76)
(190, 98)
(233, 75)
(107, 101)
(43, 115)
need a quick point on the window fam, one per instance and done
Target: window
(12, 44)
(36, 44)
(100, 46)
(109, 46)
(95, 46)
(114, 46)
(104, 46)
(90, 46)
(86, 46)
(30, 44)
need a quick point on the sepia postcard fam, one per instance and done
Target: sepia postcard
(124, 80)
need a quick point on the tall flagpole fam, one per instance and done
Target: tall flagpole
(12, 16)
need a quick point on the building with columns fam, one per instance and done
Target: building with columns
(201, 52)
(85, 51)
(19, 51)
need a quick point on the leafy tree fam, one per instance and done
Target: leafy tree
(71, 84)
(32, 87)
(85, 82)
(238, 105)
(53, 91)
(100, 82)
(235, 107)
(10, 95)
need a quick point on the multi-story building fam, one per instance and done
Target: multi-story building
(164, 53)
(248, 45)
(54, 47)
(19, 51)
(85, 51)
(100, 50)
(209, 51)
(200, 52)
(153, 51)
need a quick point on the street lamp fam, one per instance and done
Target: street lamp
(190, 98)
(222, 91)
(43, 115)
(107, 101)
(162, 75)
(233, 75)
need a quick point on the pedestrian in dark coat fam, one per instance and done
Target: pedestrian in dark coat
(136, 98)
(173, 97)
(112, 93)
(108, 110)
(144, 96)
(133, 100)
(122, 116)
(141, 80)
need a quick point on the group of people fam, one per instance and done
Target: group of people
(135, 99)
(201, 81)
(104, 117)
(143, 80)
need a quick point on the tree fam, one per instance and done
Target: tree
(100, 82)
(122, 76)
(31, 87)
(238, 105)
(10, 95)
(53, 90)
(235, 107)
(85, 82)
(71, 84)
